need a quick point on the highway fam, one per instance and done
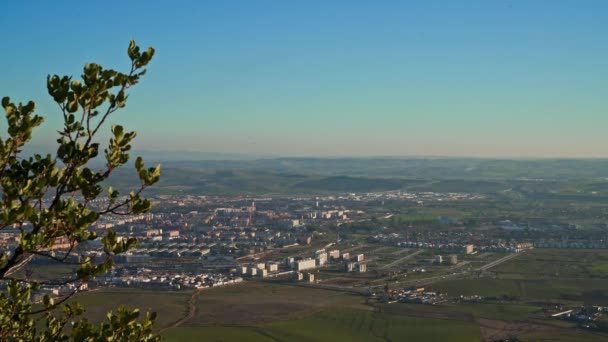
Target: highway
(400, 260)
(405, 282)
(499, 261)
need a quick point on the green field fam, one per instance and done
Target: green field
(566, 275)
(339, 325)
(558, 263)
(467, 311)
(593, 291)
(169, 305)
(179, 334)
(600, 267)
(571, 334)
(255, 302)
(265, 311)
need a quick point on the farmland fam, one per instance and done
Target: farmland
(269, 311)
(254, 303)
(259, 311)
(552, 263)
(341, 325)
(169, 305)
(542, 274)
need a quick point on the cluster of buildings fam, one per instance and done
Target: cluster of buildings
(197, 241)
(322, 257)
(58, 290)
(413, 295)
(259, 269)
(540, 225)
(306, 277)
(451, 259)
(421, 197)
(168, 249)
(580, 244)
(467, 248)
(303, 267)
(587, 313)
(157, 278)
(355, 264)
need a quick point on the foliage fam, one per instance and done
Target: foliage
(48, 198)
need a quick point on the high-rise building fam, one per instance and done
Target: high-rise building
(321, 258)
(468, 249)
(305, 264)
(310, 277)
(334, 254)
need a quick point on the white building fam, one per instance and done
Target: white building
(334, 254)
(321, 259)
(468, 249)
(305, 264)
(272, 267)
(310, 277)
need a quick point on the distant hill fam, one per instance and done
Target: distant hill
(354, 184)
(436, 168)
(306, 175)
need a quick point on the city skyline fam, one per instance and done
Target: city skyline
(499, 79)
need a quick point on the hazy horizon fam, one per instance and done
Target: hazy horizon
(187, 155)
(508, 79)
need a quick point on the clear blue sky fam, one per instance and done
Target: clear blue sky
(477, 78)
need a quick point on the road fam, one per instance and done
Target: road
(421, 281)
(262, 254)
(499, 261)
(349, 250)
(401, 251)
(400, 260)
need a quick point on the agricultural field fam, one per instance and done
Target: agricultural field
(339, 325)
(566, 275)
(553, 263)
(249, 334)
(271, 311)
(257, 302)
(170, 305)
(466, 311)
(570, 290)
(263, 311)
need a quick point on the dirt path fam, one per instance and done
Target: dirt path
(189, 314)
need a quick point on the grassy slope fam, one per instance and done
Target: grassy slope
(339, 325)
(169, 305)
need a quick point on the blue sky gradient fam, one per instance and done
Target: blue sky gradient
(455, 78)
